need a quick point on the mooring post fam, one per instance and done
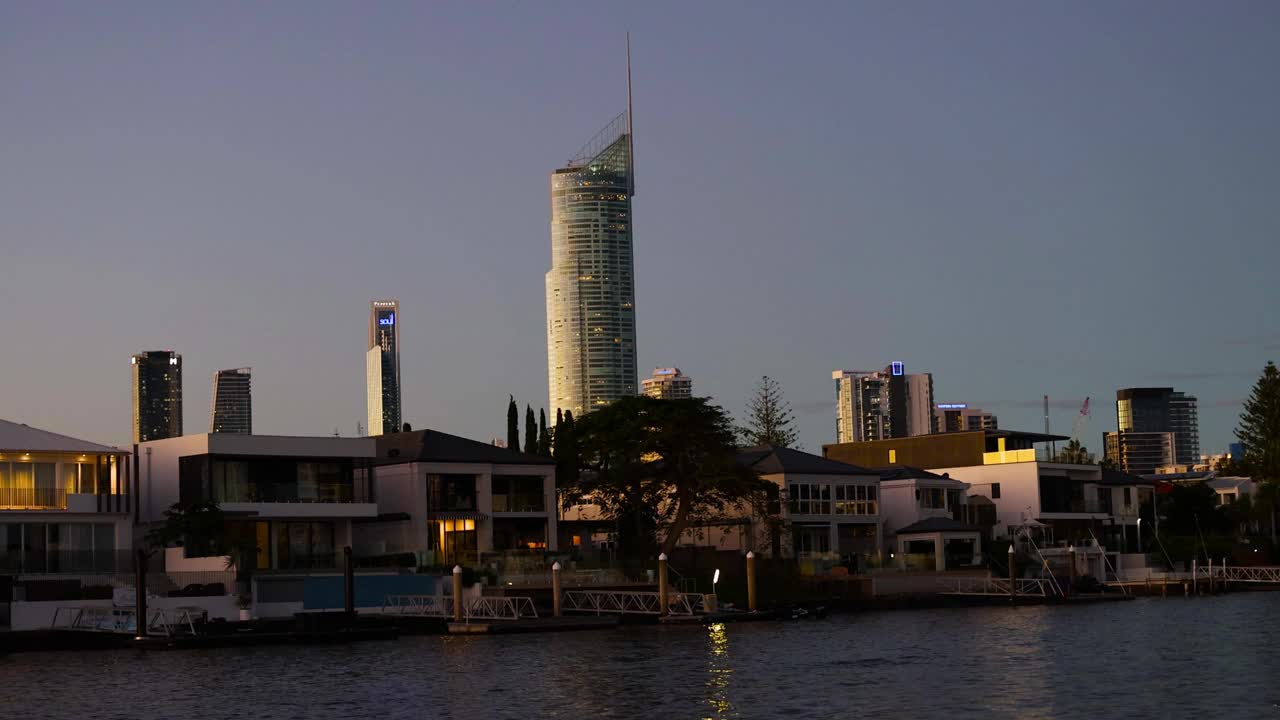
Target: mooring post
(140, 594)
(1071, 573)
(751, 581)
(1210, 576)
(662, 584)
(555, 589)
(1195, 588)
(1013, 580)
(348, 583)
(457, 593)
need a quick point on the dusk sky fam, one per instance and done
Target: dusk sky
(1021, 198)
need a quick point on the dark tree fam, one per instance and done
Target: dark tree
(530, 432)
(513, 425)
(566, 446)
(1259, 428)
(1259, 433)
(769, 418)
(660, 465)
(544, 435)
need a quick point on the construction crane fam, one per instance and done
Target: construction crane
(1080, 426)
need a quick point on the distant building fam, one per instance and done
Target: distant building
(1161, 410)
(157, 395)
(232, 402)
(668, 384)
(889, 403)
(959, 417)
(382, 367)
(1139, 453)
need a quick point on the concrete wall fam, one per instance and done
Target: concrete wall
(158, 472)
(1019, 490)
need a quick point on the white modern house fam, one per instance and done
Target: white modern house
(66, 513)
(924, 517)
(451, 500)
(295, 497)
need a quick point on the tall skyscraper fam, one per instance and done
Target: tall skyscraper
(883, 404)
(382, 367)
(590, 293)
(1139, 453)
(668, 384)
(157, 395)
(232, 402)
(1161, 410)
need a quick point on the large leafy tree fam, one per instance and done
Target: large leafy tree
(530, 432)
(513, 425)
(769, 417)
(666, 464)
(1075, 453)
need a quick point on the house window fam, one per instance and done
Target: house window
(518, 493)
(856, 500)
(931, 498)
(1128, 496)
(809, 498)
(995, 491)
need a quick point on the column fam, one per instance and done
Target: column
(939, 553)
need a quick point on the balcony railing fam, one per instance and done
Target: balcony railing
(519, 503)
(32, 498)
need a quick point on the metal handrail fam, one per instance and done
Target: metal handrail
(122, 620)
(995, 586)
(1239, 573)
(485, 607)
(626, 602)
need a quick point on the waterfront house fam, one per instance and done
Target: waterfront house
(66, 510)
(925, 519)
(454, 501)
(295, 497)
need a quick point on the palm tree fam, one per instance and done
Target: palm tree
(1074, 453)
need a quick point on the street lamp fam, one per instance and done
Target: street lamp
(1139, 534)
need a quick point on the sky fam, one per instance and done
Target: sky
(1021, 198)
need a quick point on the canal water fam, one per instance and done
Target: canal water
(1150, 658)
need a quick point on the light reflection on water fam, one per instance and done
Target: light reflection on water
(1211, 657)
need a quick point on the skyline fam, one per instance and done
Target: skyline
(323, 154)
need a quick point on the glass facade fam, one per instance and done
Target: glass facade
(57, 547)
(232, 402)
(157, 395)
(382, 367)
(518, 493)
(1162, 410)
(272, 480)
(590, 293)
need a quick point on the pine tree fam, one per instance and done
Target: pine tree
(544, 437)
(1259, 428)
(513, 425)
(555, 432)
(530, 432)
(769, 418)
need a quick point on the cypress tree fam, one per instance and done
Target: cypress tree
(513, 425)
(530, 432)
(566, 452)
(544, 437)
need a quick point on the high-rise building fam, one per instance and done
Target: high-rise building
(1139, 453)
(883, 404)
(157, 395)
(959, 417)
(1161, 410)
(382, 367)
(668, 384)
(232, 402)
(590, 292)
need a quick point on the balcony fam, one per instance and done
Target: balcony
(519, 503)
(1003, 457)
(32, 498)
